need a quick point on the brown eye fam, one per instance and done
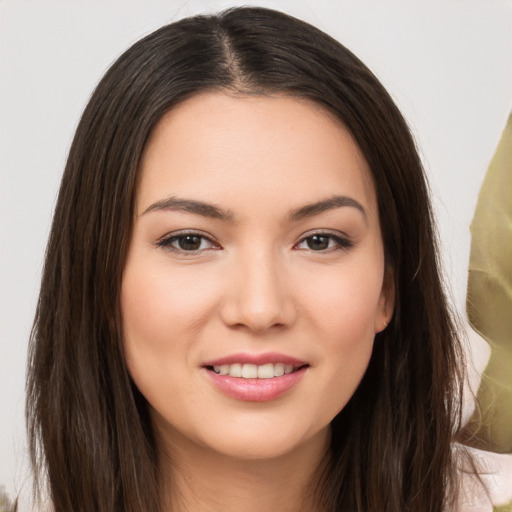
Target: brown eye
(318, 242)
(186, 243)
(189, 242)
(324, 242)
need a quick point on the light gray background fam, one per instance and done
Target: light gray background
(447, 63)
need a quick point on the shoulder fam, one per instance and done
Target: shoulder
(490, 489)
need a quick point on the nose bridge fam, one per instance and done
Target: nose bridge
(257, 297)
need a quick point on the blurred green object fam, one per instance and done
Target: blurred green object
(503, 508)
(489, 298)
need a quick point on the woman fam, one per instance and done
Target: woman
(241, 305)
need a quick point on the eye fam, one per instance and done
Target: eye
(323, 242)
(186, 242)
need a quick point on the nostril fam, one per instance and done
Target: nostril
(257, 325)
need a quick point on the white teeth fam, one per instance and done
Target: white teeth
(266, 371)
(278, 369)
(252, 371)
(222, 370)
(249, 371)
(235, 370)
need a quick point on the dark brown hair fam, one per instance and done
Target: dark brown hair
(89, 429)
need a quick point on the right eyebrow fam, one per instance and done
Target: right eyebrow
(310, 210)
(190, 206)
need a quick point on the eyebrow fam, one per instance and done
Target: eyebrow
(190, 206)
(310, 210)
(214, 212)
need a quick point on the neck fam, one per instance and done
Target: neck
(202, 480)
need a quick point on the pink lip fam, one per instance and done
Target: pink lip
(255, 390)
(257, 359)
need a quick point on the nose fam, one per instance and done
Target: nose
(258, 294)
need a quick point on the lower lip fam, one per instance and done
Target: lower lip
(256, 390)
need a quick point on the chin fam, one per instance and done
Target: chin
(263, 442)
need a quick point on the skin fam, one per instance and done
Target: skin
(256, 283)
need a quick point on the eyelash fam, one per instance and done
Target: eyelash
(167, 242)
(340, 242)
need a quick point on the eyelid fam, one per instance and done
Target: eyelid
(166, 240)
(344, 242)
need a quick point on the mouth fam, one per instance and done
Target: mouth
(256, 378)
(253, 371)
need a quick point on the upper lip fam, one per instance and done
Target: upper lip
(256, 359)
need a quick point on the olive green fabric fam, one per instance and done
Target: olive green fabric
(503, 508)
(489, 297)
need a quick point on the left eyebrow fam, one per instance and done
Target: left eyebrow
(324, 205)
(190, 206)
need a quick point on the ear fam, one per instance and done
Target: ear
(386, 302)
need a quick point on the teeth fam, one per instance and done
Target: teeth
(235, 370)
(278, 369)
(222, 370)
(266, 371)
(252, 371)
(249, 371)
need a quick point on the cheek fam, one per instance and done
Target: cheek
(346, 304)
(344, 312)
(157, 304)
(162, 313)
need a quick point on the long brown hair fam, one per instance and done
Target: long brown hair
(90, 433)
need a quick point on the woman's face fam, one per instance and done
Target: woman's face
(255, 280)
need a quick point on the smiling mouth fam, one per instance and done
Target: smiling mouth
(252, 371)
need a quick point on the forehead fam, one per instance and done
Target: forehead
(250, 147)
